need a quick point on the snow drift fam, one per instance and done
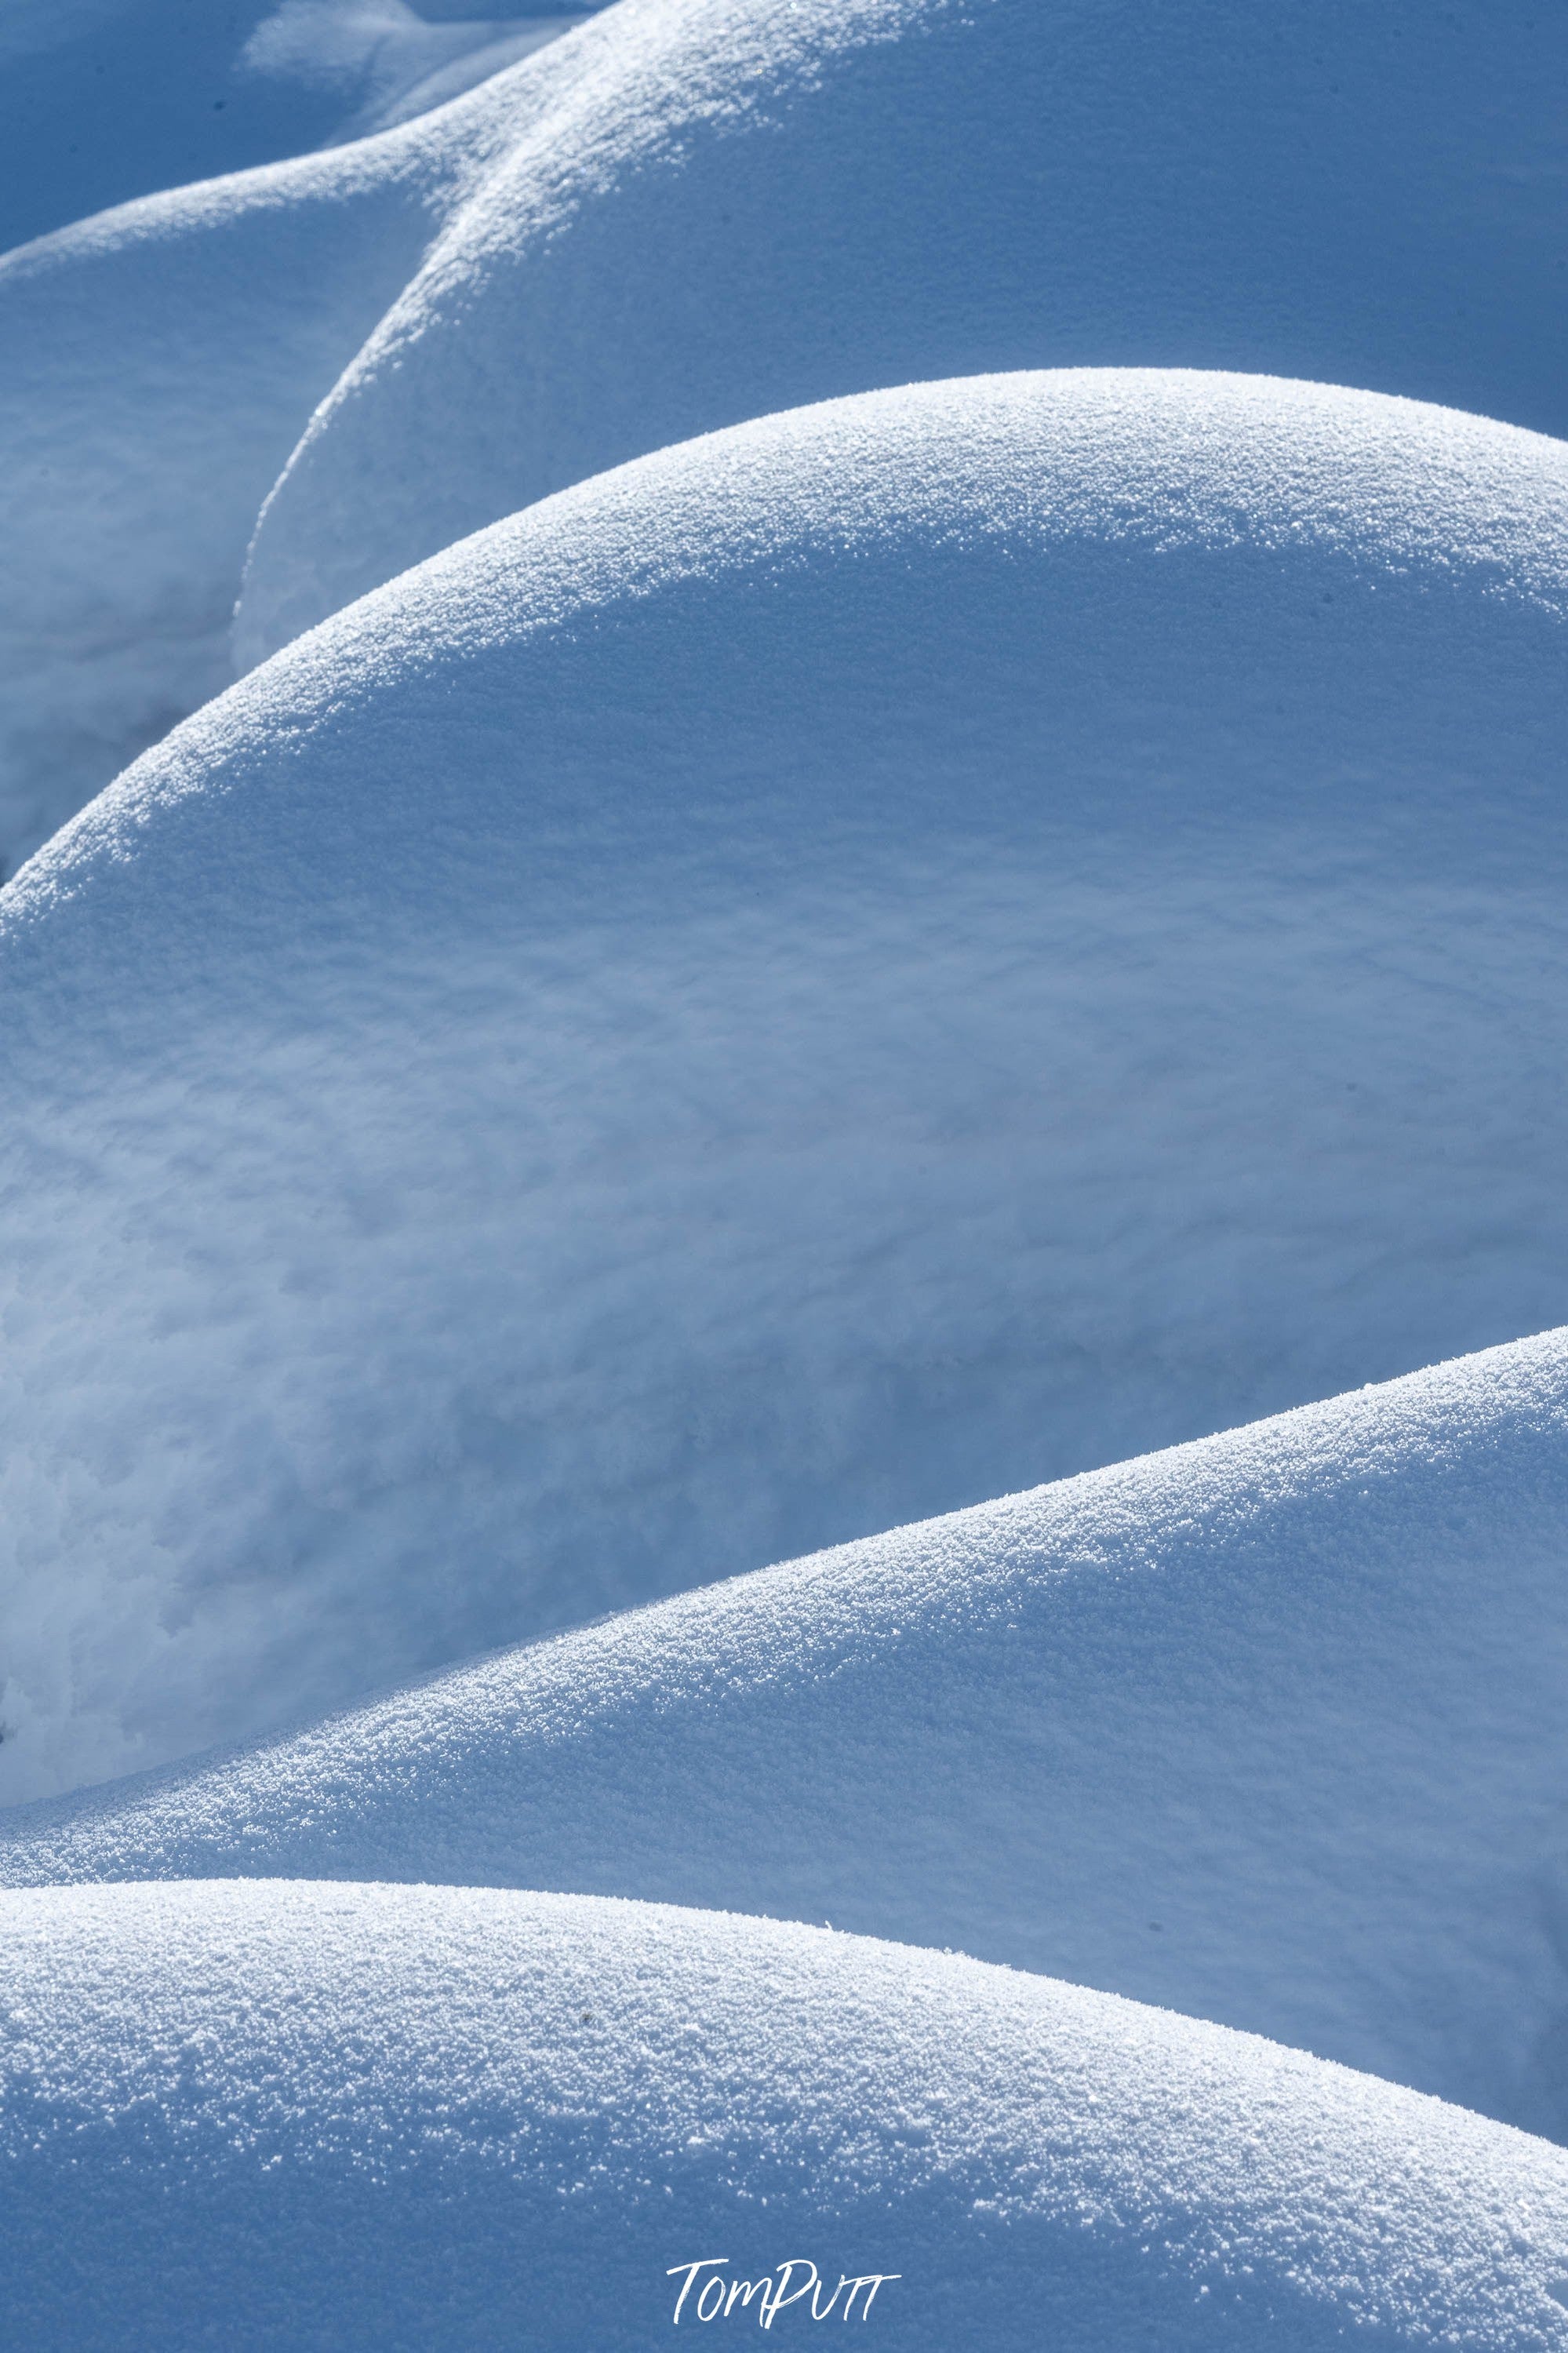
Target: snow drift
(257, 2117)
(156, 366)
(693, 212)
(1078, 961)
(1267, 1729)
(105, 101)
(746, 206)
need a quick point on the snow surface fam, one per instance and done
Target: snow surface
(1267, 1729)
(795, 980)
(751, 204)
(157, 364)
(101, 100)
(389, 57)
(1076, 963)
(691, 213)
(475, 2119)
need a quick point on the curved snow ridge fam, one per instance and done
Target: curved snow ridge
(1266, 1729)
(694, 211)
(1158, 460)
(353, 2103)
(754, 204)
(103, 102)
(157, 365)
(1077, 964)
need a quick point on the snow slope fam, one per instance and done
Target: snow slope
(262, 2117)
(156, 366)
(1266, 1729)
(960, 927)
(102, 100)
(751, 204)
(691, 213)
(1077, 962)
(395, 62)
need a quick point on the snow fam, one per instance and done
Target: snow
(775, 878)
(388, 56)
(691, 213)
(747, 204)
(101, 100)
(459, 2112)
(1267, 1729)
(157, 364)
(1078, 964)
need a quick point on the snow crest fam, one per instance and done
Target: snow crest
(1265, 1729)
(879, 860)
(1000, 1016)
(449, 2105)
(687, 214)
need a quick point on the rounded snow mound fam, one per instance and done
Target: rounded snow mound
(258, 2114)
(1266, 1729)
(746, 204)
(689, 213)
(853, 966)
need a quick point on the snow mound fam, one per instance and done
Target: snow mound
(753, 204)
(494, 1136)
(265, 2115)
(1266, 1729)
(156, 367)
(690, 213)
(104, 101)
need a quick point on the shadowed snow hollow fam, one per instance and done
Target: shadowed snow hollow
(104, 101)
(847, 967)
(269, 2116)
(1267, 1729)
(157, 365)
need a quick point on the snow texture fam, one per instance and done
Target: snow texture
(1267, 1729)
(102, 100)
(781, 934)
(464, 2113)
(156, 366)
(395, 62)
(1077, 962)
(743, 207)
(694, 212)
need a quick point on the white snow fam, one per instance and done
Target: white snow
(156, 366)
(272, 2116)
(102, 100)
(751, 204)
(874, 845)
(1077, 961)
(691, 213)
(1267, 1729)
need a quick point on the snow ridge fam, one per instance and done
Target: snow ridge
(762, 844)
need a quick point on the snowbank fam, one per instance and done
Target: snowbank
(265, 2116)
(691, 213)
(104, 101)
(156, 366)
(849, 967)
(1267, 1729)
(751, 204)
